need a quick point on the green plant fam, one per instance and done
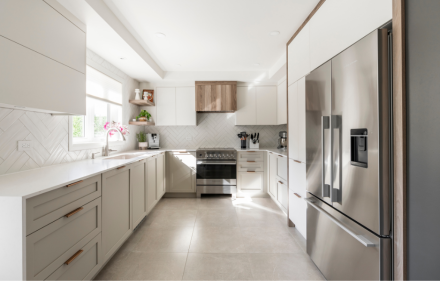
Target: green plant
(141, 137)
(144, 113)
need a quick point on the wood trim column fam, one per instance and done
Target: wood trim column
(399, 131)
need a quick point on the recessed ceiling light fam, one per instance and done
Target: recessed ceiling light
(256, 64)
(275, 33)
(160, 35)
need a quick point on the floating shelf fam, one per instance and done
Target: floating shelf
(142, 102)
(141, 123)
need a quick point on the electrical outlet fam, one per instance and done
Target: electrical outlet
(189, 138)
(24, 145)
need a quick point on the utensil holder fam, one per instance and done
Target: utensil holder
(254, 145)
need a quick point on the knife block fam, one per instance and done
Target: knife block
(255, 146)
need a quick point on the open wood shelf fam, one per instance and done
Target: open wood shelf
(141, 123)
(142, 102)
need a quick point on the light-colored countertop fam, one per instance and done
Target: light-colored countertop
(282, 152)
(33, 182)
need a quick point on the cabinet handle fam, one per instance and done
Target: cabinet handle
(251, 171)
(72, 258)
(73, 212)
(69, 185)
(251, 161)
(120, 167)
(297, 195)
(280, 156)
(281, 182)
(250, 151)
(297, 161)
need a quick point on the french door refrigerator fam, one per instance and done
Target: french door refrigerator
(348, 136)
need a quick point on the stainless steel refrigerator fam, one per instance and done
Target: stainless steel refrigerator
(348, 134)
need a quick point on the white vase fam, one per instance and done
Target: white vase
(143, 145)
(137, 91)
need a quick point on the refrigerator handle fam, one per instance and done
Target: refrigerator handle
(360, 238)
(325, 125)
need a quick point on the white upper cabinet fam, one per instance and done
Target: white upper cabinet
(246, 113)
(340, 23)
(42, 46)
(38, 26)
(282, 103)
(186, 106)
(166, 107)
(256, 105)
(293, 121)
(266, 105)
(301, 115)
(299, 56)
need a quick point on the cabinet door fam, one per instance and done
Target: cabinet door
(166, 107)
(301, 109)
(273, 162)
(326, 38)
(266, 105)
(150, 178)
(298, 212)
(250, 182)
(283, 193)
(138, 187)
(229, 97)
(246, 113)
(160, 173)
(293, 121)
(282, 103)
(282, 167)
(180, 174)
(200, 97)
(185, 106)
(297, 177)
(116, 210)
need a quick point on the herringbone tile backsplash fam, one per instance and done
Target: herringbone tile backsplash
(213, 130)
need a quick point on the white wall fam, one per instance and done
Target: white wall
(49, 134)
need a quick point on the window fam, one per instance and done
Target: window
(103, 104)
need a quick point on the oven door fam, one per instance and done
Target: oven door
(216, 172)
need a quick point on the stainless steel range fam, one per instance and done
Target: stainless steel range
(216, 171)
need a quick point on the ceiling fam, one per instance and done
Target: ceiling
(227, 37)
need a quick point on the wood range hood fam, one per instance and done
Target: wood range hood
(216, 96)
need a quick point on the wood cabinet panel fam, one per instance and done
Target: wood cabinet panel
(214, 96)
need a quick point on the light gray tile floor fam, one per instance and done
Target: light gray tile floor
(213, 238)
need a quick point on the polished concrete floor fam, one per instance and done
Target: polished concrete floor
(213, 238)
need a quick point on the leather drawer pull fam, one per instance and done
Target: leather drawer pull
(297, 161)
(250, 151)
(280, 156)
(120, 167)
(251, 171)
(251, 161)
(297, 195)
(73, 212)
(72, 258)
(69, 185)
(281, 182)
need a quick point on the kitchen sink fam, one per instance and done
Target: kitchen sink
(125, 156)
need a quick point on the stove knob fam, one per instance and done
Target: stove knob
(210, 155)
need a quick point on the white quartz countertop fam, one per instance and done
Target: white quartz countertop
(282, 152)
(33, 182)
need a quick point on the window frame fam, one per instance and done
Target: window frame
(96, 144)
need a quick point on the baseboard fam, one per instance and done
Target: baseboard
(179, 195)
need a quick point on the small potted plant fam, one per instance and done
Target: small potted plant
(142, 140)
(144, 116)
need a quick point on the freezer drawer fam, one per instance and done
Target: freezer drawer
(342, 249)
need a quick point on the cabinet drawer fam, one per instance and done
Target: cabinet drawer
(48, 248)
(283, 193)
(256, 156)
(83, 265)
(282, 167)
(48, 207)
(250, 182)
(250, 166)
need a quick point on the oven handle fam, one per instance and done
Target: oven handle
(217, 162)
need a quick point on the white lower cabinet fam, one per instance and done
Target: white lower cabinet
(116, 209)
(179, 174)
(298, 212)
(273, 187)
(150, 180)
(283, 193)
(160, 175)
(250, 182)
(137, 182)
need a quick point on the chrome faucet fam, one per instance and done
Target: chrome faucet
(106, 148)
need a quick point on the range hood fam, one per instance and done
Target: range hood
(216, 96)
